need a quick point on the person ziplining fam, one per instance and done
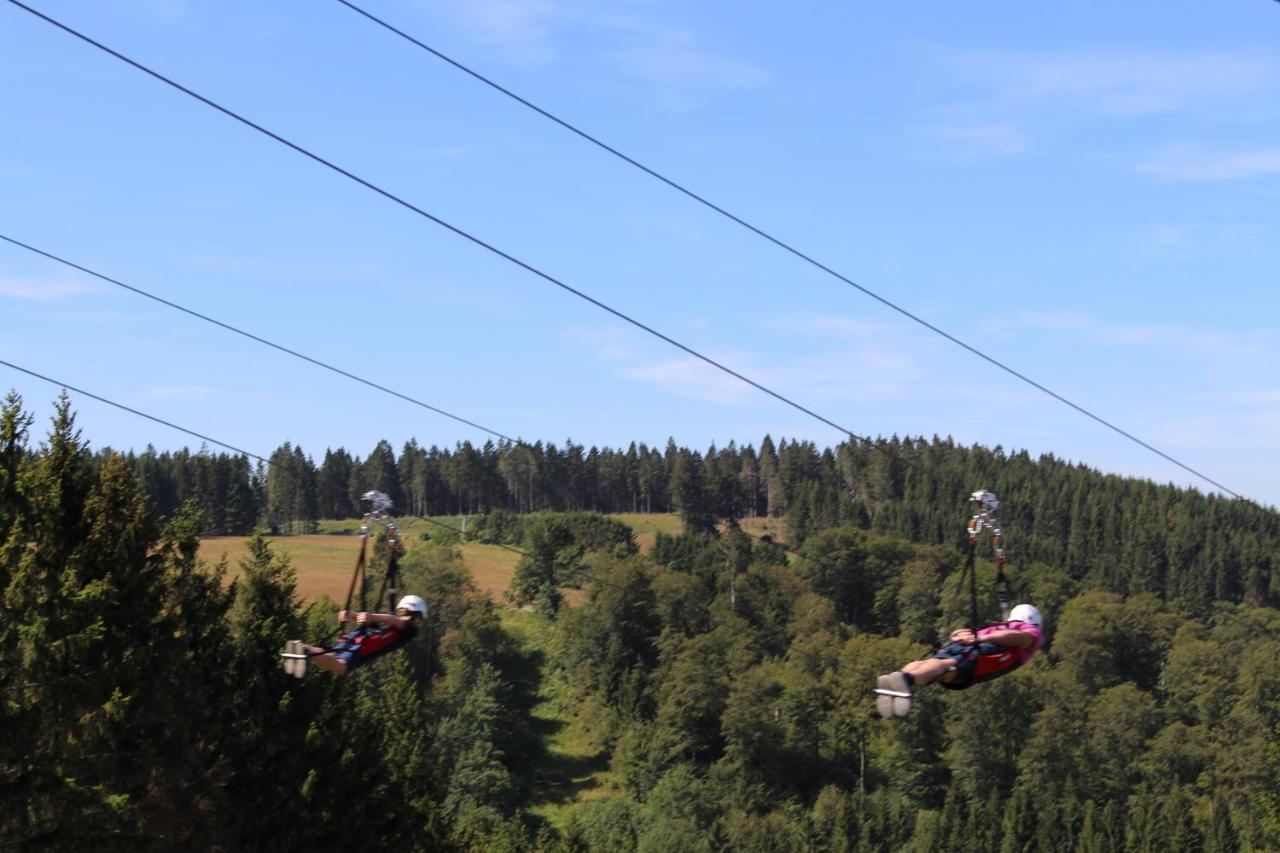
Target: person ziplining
(375, 634)
(973, 654)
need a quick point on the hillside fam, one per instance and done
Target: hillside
(710, 691)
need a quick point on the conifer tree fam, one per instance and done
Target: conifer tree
(382, 474)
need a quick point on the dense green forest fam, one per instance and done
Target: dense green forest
(726, 679)
(1124, 535)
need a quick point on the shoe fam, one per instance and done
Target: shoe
(893, 695)
(884, 702)
(295, 662)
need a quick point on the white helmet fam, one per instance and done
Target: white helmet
(1027, 613)
(415, 604)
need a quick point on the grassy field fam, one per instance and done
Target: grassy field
(757, 527)
(324, 561)
(648, 524)
(575, 767)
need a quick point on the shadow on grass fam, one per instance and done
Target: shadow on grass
(558, 776)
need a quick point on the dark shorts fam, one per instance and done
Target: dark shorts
(974, 665)
(362, 645)
(348, 653)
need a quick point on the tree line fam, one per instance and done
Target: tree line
(1174, 542)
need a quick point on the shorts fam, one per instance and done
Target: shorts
(362, 645)
(348, 653)
(973, 665)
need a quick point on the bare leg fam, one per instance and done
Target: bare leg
(325, 660)
(927, 671)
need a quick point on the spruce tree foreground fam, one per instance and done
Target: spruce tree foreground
(723, 679)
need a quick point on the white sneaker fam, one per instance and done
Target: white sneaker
(884, 702)
(893, 695)
(295, 663)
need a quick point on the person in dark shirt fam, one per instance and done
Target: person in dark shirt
(375, 635)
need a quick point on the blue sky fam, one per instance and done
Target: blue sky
(1086, 191)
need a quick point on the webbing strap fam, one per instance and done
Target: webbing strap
(1002, 592)
(391, 577)
(973, 588)
(357, 575)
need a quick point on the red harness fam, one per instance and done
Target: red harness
(991, 665)
(378, 639)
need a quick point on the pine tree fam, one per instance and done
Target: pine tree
(105, 620)
(382, 474)
(332, 497)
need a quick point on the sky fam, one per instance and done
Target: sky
(1087, 192)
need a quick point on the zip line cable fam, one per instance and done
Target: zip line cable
(200, 436)
(787, 247)
(317, 362)
(203, 437)
(581, 295)
(442, 223)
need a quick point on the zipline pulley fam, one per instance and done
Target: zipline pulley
(985, 506)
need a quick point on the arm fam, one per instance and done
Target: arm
(375, 618)
(1006, 637)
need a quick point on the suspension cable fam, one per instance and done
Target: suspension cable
(437, 220)
(230, 328)
(203, 437)
(782, 244)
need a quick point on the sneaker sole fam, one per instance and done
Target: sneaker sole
(893, 695)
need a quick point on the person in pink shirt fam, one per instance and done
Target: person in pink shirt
(998, 650)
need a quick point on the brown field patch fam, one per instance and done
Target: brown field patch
(324, 562)
(757, 527)
(647, 525)
(491, 566)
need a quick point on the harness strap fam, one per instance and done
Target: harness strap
(391, 578)
(357, 575)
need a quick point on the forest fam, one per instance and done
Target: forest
(1126, 535)
(725, 678)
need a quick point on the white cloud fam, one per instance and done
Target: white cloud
(268, 268)
(1158, 335)
(976, 142)
(641, 47)
(1208, 431)
(1168, 237)
(1249, 397)
(38, 290)
(1051, 321)
(675, 59)
(1205, 165)
(1093, 330)
(1116, 82)
(691, 377)
(827, 324)
(610, 343)
(859, 374)
(522, 28)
